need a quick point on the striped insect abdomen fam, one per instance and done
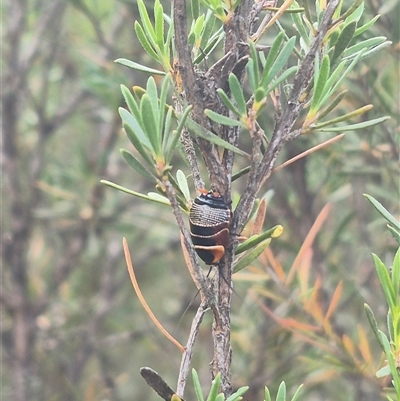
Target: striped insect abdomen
(209, 221)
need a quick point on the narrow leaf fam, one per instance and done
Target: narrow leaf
(280, 61)
(254, 240)
(137, 165)
(220, 119)
(281, 396)
(301, 27)
(337, 99)
(385, 281)
(319, 87)
(228, 103)
(344, 39)
(367, 44)
(237, 93)
(352, 127)
(195, 5)
(197, 385)
(147, 25)
(396, 274)
(251, 256)
(214, 388)
(238, 394)
(135, 127)
(183, 184)
(149, 123)
(144, 41)
(297, 393)
(163, 201)
(366, 26)
(138, 67)
(252, 67)
(267, 395)
(211, 137)
(138, 144)
(159, 25)
(285, 75)
(271, 57)
(373, 324)
(344, 117)
(383, 211)
(131, 102)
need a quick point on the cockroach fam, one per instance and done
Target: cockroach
(209, 221)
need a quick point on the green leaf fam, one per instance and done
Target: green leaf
(137, 165)
(301, 27)
(390, 326)
(383, 372)
(147, 46)
(211, 137)
(367, 44)
(337, 99)
(271, 57)
(179, 194)
(358, 7)
(281, 396)
(352, 127)
(149, 122)
(320, 84)
(297, 393)
(250, 256)
(154, 196)
(373, 323)
(152, 93)
(395, 233)
(383, 211)
(163, 201)
(138, 145)
(134, 126)
(366, 26)
(227, 102)
(214, 388)
(183, 184)
(252, 67)
(285, 75)
(138, 67)
(391, 362)
(344, 39)
(237, 93)
(195, 8)
(168, 134)
(131, 102)
(147, 25)
(254, 240)
(396, 273)
(374, 50)
(240, 173)
(267, 395)
(159, 25)
(281, 60)
(220, 119)
(336, 75)
(385, 281)
(207, 31)
(344, 117)
(238, 394)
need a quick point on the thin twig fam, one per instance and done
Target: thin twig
(308, 152)
(143, 301)
(187, 355)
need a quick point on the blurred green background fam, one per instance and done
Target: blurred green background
(71, 325)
